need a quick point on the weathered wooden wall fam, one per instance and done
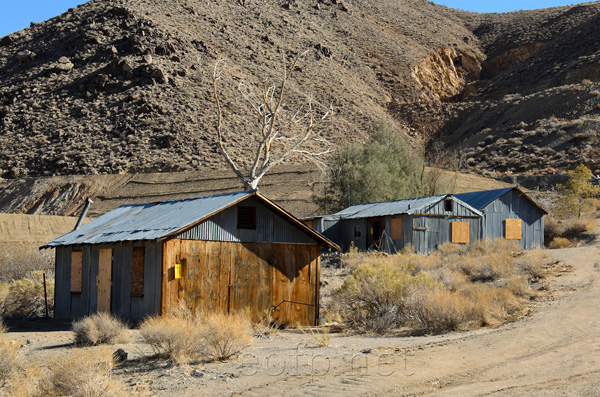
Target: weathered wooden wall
(122, 304)
(230, 276)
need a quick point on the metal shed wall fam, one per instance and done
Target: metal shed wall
(270, 227)
(513, 205)
(76, 305)
(433, 231)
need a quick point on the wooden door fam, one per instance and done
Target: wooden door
(104, 280)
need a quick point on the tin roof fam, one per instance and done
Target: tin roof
(157, 220)
(386, 208)
(482, 199)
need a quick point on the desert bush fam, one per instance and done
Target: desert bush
(559, 242)
(172, 337)
(225, 335)
(99, 328)
(21, 261)
(456, 287)
(186, 335)
(25, 297)
(8, 355)
(373, 298)
(85, 373)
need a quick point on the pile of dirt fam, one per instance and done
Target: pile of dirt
(123, 86)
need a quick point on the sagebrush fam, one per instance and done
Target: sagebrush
(456, 287)
(99, 328)
(25, 297)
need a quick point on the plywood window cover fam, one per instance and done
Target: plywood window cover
(137, 272)
(76, 271)
(460, 232)
(246, 218)
(397, 229)
(513, 229)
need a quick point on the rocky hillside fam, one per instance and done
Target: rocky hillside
(123, 86)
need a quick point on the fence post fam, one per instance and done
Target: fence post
(45, 295)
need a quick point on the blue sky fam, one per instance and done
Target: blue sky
(18, 14)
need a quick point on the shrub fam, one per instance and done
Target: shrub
(175, 338)
(559, 242)
(99, 328)
(8, 355)
(21, 261)
(437, 310)
(85, 373)
(372, 299)
(25, 297)
(185, 335)
(225, 335)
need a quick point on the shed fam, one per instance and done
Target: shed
(508, 213)
(223, 252)
(425, 223)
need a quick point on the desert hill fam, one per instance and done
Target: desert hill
(123, 86)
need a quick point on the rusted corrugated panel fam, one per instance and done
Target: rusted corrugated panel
(231, 276)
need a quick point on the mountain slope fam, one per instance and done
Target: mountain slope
(122, 86)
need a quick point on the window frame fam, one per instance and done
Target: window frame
(243, 218)
(135, 287)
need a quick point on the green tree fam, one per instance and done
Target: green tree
(577, 193)
(386, 169)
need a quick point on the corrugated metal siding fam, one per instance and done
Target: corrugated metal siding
(439, 231)
(270, 227)
(513, 205)
(69, 305)
(459, 209)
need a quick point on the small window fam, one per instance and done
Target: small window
(448, 205)
(246, 218)
(76, 271)
(137, 271)
(357, 232)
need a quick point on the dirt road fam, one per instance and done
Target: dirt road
(554, 352)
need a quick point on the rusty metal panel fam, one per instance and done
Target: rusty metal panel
(137, 271)
(396, 225)
(294, 296)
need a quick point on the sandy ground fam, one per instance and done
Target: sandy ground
(553, 351)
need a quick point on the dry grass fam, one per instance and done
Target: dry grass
(185, 335)
(99, 328)
(457, 287)
(559, 242)
(25, 297)
(225, 335)
(8, 355)
(21, 261)
(85, 373)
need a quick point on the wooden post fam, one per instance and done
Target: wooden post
(45, 294)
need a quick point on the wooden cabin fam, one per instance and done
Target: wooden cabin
(423, 223)
(508, 213)
(224, 252)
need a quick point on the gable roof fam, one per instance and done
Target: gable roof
(386, 208)
(482, 199)
(163, 219)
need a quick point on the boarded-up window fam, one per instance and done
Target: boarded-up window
(76, 271)
(308, 222)
(513, 229)
(397, 229)
(246, 218)
(460, 232)
(137, 272)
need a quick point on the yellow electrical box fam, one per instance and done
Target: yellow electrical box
(178, 270)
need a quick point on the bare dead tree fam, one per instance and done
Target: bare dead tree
(277, 137)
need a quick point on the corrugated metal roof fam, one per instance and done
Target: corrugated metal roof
(149, 221)
(407, 206)
(482, 198)
(152, 221)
